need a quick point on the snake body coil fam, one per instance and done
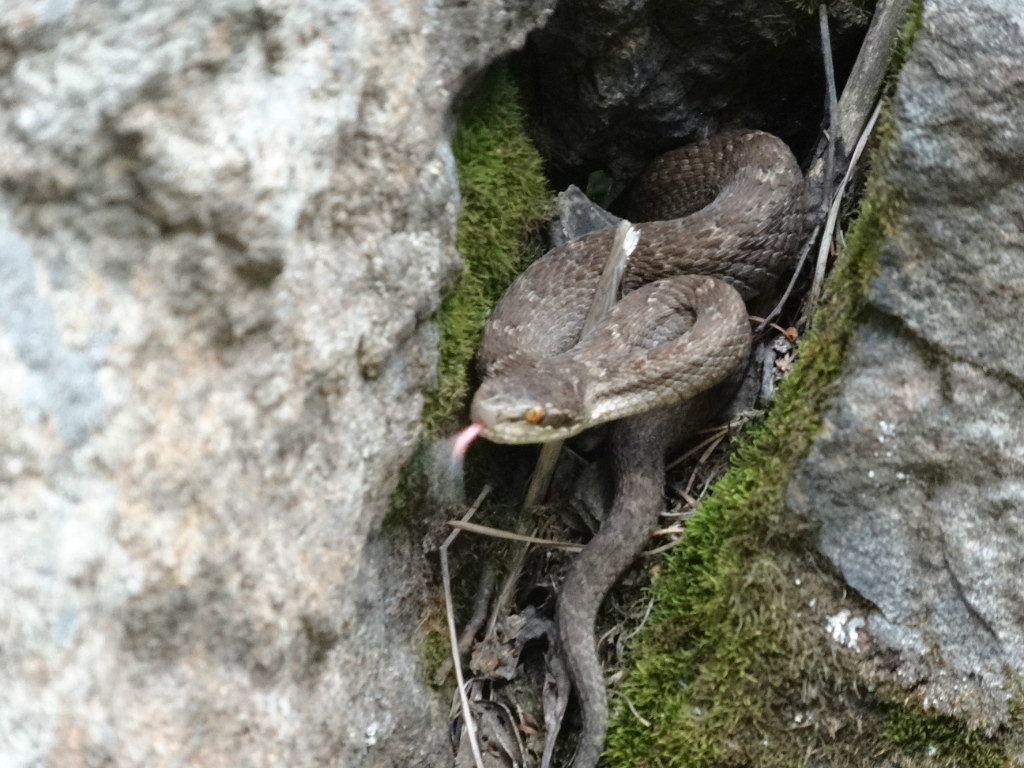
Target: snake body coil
(723, 218)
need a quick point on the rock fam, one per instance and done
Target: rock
(223, 233)
(957, 280)
(616, 83)
(915, 480)
(578, 215)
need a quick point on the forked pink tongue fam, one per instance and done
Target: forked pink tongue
(464, 438)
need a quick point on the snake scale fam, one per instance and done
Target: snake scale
(723, 218)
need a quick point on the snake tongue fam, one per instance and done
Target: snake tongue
(464, 438)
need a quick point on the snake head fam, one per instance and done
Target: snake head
(529, 407)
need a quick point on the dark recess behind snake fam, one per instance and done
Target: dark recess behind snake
(724, 218)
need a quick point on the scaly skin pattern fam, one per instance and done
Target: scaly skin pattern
(720, 221)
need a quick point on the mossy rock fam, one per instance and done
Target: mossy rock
(734, 666)
(505, 200)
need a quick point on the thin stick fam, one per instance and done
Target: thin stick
(449, 608)
(804, 252)
(508, 587)
(498, 533)
(835, 137)
(607, 291)
(848, 119)
(833, 215)
(830, 72)
(716, 436)
(540, 480)
(862, 86)
(865, 79)
(480, 605)
(642, 720)
(605, 295)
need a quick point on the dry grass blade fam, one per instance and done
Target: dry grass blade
(640, 718)
(833, 213)
(508, 587)
(498, 533)
(707, 445)
(665, 547)
(467, 716)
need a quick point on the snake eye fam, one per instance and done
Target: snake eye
(534, 414)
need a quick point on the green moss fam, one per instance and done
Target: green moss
(433, 648)
(410, 493)
(937, 740)
(504, 200)
(905, 41)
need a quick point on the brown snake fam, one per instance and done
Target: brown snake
(724, 217)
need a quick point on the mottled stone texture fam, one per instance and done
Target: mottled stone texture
(918, 479)
(223, 232)
(617, 82)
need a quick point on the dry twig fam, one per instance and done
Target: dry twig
(833, 214)
(467, 716)
(607, 293)
(498, 533)
(640, 719)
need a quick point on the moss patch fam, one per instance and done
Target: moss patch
(504, 200)
(937, 740)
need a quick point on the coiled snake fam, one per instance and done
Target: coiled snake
(724, 217)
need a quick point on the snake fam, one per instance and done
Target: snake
(719, 222)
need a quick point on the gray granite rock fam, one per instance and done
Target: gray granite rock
(917, 481)
(957, 279)
(223, 233)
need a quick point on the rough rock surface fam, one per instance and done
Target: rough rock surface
(223, 232)
(617, 83)
(918, 478)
